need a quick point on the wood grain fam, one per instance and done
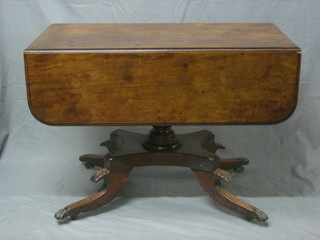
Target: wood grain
(162, 88)
(85, 85)
(212, 186)
(163, 36)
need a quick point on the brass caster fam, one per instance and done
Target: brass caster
(239, 169)
(88, 165)
(220, 146)
(105, 143)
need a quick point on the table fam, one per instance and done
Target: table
(162, 75)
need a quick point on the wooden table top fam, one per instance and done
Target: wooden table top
(163, 36)
(162, 74)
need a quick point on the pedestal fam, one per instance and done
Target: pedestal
(162, 147)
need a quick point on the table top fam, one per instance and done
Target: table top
(163, 36)
(162, 74)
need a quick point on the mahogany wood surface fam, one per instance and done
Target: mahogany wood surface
(162, 36)
(213, 187)
(162, 74)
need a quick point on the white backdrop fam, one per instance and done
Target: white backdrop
(40, 173)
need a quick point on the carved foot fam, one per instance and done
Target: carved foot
(233, 163)
(91, 160)
(113, 184)
(212, 185)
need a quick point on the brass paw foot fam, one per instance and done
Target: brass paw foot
(260, 216)
(62, 214)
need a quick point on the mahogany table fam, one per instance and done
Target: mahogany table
(162, 75)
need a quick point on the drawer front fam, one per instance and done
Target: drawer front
(161, 87)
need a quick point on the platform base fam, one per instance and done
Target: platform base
(195, 150)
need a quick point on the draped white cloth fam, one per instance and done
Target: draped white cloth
(40, 173)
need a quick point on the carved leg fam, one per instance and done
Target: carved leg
(112, 186)
(212, 185)
(233, 163)
(91, 160)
